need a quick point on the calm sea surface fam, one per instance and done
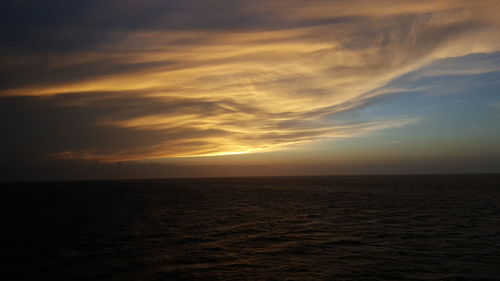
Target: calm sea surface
(283, 228)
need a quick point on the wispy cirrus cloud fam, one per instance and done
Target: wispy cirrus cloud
(221, 77)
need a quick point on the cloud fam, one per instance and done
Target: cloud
(197, 78)
(108, 127)
(495, 105)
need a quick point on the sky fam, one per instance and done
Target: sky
(101, 89)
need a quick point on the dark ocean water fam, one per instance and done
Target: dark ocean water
(286, 228)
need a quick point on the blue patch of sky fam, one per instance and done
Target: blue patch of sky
(457, 100)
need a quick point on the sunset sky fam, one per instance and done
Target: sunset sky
(160, 88)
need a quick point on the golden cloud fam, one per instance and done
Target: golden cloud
(246, 89)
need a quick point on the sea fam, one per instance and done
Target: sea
(425, 227)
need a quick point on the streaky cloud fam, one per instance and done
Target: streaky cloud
(197, 79)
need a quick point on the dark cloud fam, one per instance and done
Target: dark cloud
(36, 127)
(62, 26)
(38, 72)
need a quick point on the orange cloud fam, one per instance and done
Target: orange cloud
(246, 89)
